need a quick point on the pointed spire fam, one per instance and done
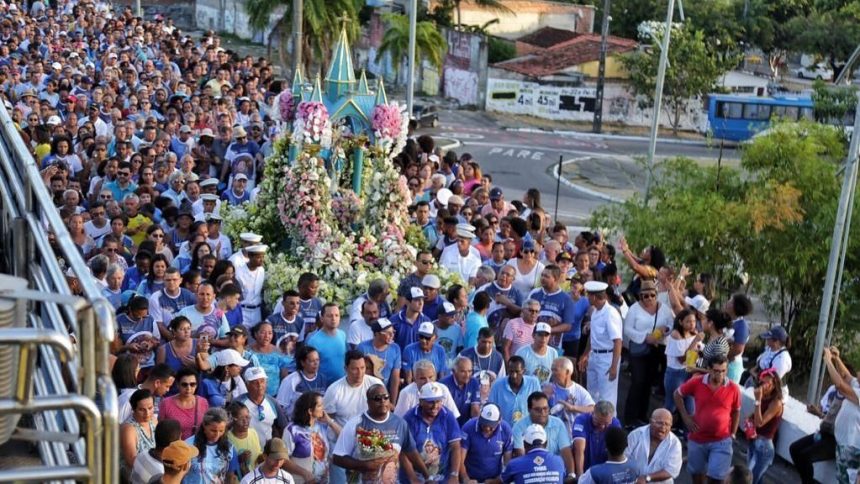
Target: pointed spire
(363, 89)
(298, 82)
(340, 77)
(381, 97)
(316, 95)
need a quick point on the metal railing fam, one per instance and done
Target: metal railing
(64, 379)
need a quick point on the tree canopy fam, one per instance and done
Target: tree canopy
(763, 228)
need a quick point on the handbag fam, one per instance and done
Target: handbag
(643, 349)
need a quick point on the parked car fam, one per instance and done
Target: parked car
(427, 116)
(815, 71)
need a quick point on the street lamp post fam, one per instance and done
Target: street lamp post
(597, 124)
(298, 18)
(410, 78)
(836, 261)
(658, 97)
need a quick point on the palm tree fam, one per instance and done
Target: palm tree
(429, 42)
(321, 23)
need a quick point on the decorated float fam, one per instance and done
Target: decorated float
(331, 202)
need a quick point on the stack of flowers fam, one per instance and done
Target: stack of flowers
(305, 206)
(283, 107)
(370, 445)
(389, 122)
(346, 208)
(312, 125)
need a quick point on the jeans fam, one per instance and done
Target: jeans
(808, 450)
(673, 379)
(711, 459)
(760, 458)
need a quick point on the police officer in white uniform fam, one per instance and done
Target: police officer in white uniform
(251, 276)
(241, 256)
(602, 356)
(461, 257)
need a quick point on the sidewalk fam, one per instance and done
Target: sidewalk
(616, 178)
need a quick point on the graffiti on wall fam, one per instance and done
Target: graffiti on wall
(461, 85)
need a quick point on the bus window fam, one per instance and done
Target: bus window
(757, 111)
(788, 112)
(729, 110)
(806, 113)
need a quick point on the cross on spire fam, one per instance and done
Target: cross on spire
(344, 19)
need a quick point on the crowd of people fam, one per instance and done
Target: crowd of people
(143, 133)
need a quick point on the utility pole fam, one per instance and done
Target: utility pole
(298, 19)
(836, 261)
(138, 10)
(597, 123)
(410, 78)
(658, 96)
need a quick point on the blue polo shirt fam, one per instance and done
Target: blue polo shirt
(536, 466)
(595, 448)
(332, 350)
(555, 308)
(514, 406)
(406, 333)
(484, 455)
(413, 354)
(556, 432)
(389, 358)
(434, 439)
(463, 397)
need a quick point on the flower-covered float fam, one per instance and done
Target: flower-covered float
(331, 202)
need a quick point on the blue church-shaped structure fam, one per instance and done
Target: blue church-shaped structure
(349, 102)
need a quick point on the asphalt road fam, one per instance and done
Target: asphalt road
(520, 160)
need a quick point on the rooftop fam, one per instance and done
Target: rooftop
(547, 37)
(578, 50)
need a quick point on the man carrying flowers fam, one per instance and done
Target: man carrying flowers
(372, 446)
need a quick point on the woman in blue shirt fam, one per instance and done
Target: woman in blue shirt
(217, 458)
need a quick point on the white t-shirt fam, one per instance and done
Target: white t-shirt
(847, 425)
(677, 348)
(96, 232)
(467, 266)
(343, 401)
(408, 399)
(256, 477)
(358, 332)
(145, 468)
(638, 324)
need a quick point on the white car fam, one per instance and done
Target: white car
(815, 71)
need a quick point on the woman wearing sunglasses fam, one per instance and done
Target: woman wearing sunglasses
(645, 326)
(185, 407)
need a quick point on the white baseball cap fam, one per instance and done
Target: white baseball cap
(427, 329)
(543, 328)
(255, 373)
(415, 293)
(490, 415)
(230, 357)
(534, 433)
(699, 303)
(432, 391)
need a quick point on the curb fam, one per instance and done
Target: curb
(456, 144)
(580, 188)
(619, 137)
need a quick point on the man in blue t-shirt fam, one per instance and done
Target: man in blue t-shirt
(537, 465)
(465, 389)
(617, 469)
(425, 349)
(556, 306)
(436, 434)
(408, 320)
(589, 434)
(506, 300)
(384, 354)
(486, 444)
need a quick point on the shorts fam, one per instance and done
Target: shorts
(713, 459)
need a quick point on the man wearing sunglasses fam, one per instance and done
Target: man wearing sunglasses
(267, 417)
(379, 417)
